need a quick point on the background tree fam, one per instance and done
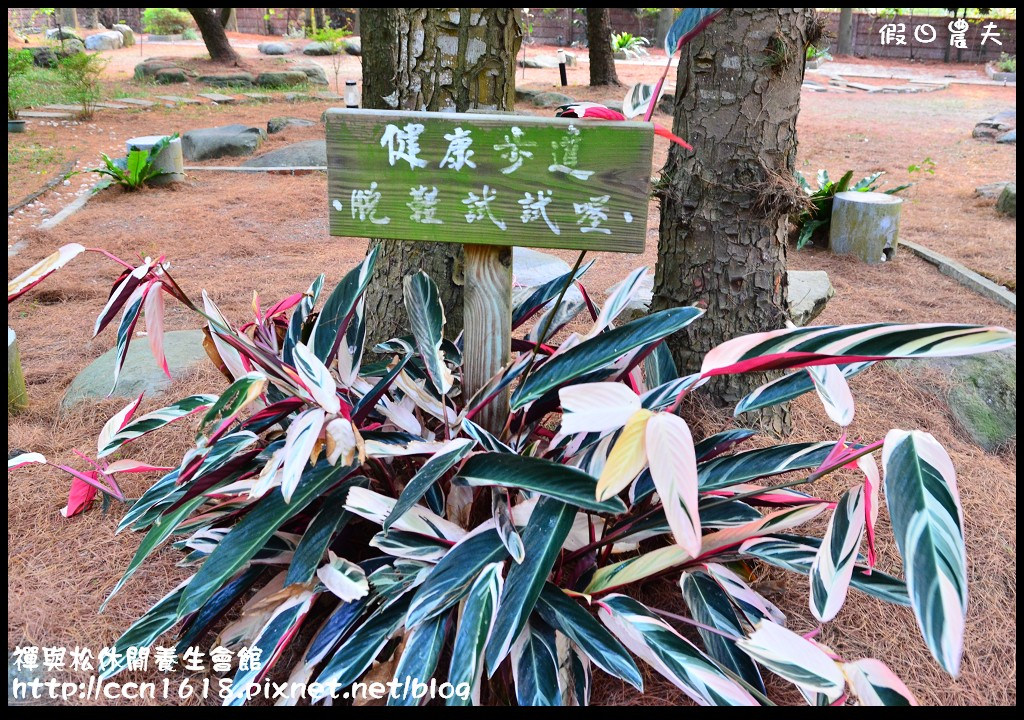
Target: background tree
(725, 206)
(229, 19)
(599, 42)
(92, 18)
(845, 31)
(432, 59)
(216, 40)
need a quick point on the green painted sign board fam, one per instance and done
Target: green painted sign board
(489, 179)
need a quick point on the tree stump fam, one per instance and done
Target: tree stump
(865, 224)
(17, 395)
(170, 160)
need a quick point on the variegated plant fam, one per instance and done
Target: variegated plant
(362, 499)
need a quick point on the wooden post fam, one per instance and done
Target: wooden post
(865, 224)
(17, 394)
(488, 326)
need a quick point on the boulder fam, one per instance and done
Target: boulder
(992, 127)
(71, 47)
(991, 190)
(1010, 136)
(524, 94)
(281, 78)
(809, 291)
(274, 48)
(279, 124)
(109, 40)
(127, 34)
(318, 48)
(551, 99)
(353, 46)
(62, 34)
(226, 141)
(314, 73)
(184, 349)
(148, 68)
(170, 76)
(44, 57)
(981, 393)
(549, 62)
(229, 79)
(311, 153)
(1007, 202)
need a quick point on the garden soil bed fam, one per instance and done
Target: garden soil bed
(232, 234)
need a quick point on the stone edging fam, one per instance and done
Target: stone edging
(964, 275)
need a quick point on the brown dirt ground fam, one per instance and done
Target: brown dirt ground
(270, 233)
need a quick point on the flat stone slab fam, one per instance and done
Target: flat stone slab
(964, 275)
(70, 108)
(184, 349)
(552, 99)
(311, 153)
(138, 102)
(43, 115)
(809, 291)
(258, 97)
(179, 100)
(219, 98)
(327, 95)
(225, 141)
(111, 106)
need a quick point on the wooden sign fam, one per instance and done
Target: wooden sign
(489, 179)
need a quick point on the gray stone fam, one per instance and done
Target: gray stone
(127, 34)
(170, 76)
(809, 291)
(184, 349)
(549, 62)
(44, 57)
(1007, 202)
(147, 69)
(314, 73)
(218, 98)
(231, 79)
(62, 34)
(667, 103)
(524, 94)
(353, 46)
(109, 40)
(311, 153)
(318, 48)
(991, 190)
(227, 141)
(981, 393)
(552, 99)
(274, 48)
(281, 78)
(279, 124)
(1009, 136)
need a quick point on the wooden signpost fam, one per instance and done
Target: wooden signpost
(490, 182)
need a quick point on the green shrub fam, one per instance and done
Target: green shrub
(363, 501)
(1007, 63)
(165, 21)
(19, 62)
(817, 218)
(189, 34)
(632, 45)
(134, 171)
(80, 75)
(815, 53)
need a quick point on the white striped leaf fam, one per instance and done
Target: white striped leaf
(789, 387)
(426, 318)
(834, 393)
(317, 379)
(874, 684)
(668, 652)
(834, 562)
(927, 520)
(674, 472)
(475, 623)
(794, 658)
(298, 446)
(343, 578)
(535, 667)
(423, 647)
(596, 407)
(431, 471)
(42, 269)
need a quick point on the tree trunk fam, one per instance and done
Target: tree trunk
(599, 41)
(229, 19)
(661, 27)
(845, 31)
(92, 18)
(725, 206)
(68, 17)
(436, 59)
(216, 40)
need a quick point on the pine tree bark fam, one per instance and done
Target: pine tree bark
(599, 42)
(435, 59)
(725, 206)
(216, 40)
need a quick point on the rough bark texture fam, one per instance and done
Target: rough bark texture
(722, 242)
(436, 59)
(845, 31)
(92, 18)
(599, 34)
(216, 40)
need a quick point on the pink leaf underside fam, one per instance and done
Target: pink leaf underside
(80, 496)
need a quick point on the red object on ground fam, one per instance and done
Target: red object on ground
(595, 111)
